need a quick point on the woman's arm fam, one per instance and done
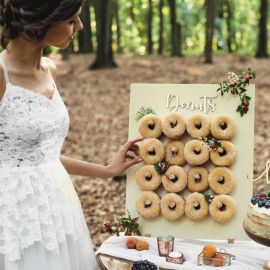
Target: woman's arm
(122, 160)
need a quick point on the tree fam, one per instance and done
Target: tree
(262, 38)
(229, 20)
(149, 28)
(161, 27)
(210, 22)
(85, 35)
(175, 30)
(117, 22)
(104, 55)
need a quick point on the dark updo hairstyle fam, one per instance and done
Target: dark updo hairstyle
(34, 17)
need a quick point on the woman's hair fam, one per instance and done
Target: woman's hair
(33, 17)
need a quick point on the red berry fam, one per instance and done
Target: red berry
(262, 195)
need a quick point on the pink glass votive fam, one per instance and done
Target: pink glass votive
(165, 245)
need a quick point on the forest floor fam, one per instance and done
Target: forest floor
(98, 104)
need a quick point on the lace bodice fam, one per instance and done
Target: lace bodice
(38, 202)
(32, 126)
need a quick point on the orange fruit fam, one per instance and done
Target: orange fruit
(218, 260)
(142, 245)
(131, 242)
(209, 251)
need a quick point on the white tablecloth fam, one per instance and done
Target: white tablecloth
(249, 255)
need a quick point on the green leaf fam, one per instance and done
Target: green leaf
(144, 111)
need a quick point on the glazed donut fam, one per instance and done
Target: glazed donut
(196, 206)
(148, 178)
(150, 126)
(222, 208)
(151, 150)
(196, 152)
(224, 155)
(175, 179)
(172, 206)
(221, 180)
(197, 179)
(173, 125)
(148, 204)
(223, 127)
(174, 153)
(198, 126)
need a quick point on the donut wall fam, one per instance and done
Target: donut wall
(198, 159)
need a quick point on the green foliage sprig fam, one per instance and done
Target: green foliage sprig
(144, 111)
(237, 85)
(209, 197)
(161, 167)
(124, 224)
(212, 143)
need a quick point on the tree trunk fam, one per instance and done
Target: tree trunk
(117, 22)
(262, 38)
(210, 22)
(174, 30)
(104, 55)
(161, 27)
(229, 25)
(85, 35)
(132, 16)
(179, 38)
(149, 28)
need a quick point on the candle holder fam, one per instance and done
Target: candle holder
(165, 245)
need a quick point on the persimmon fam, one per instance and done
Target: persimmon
(218, 260)
(142, 245)
(209, 251)
(131, 242)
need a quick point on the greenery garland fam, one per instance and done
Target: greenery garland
(237, 85)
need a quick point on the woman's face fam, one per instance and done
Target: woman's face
(63, 32)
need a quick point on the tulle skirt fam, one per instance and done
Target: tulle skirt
(41, 221)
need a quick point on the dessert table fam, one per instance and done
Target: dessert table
(114, 255)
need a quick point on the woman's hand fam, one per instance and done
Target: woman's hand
(124, 158)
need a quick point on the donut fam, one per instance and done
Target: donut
(196, 152)
(224, 155)
(198, 126)
(223, 127)
(174, 153)
(222, 208)
(148, 178)
(148, 204)
(221, 180)
(172, 206)
(197, 179)
(150, 126)
(196, 206)
(173, 125)
(151, 150)
(175, 179)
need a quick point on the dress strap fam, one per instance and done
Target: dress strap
(4, 66)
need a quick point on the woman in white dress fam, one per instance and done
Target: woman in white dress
(41, 221)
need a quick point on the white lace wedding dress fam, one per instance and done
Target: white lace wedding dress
(42, 226)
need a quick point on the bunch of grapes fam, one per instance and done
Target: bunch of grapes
(144, 265)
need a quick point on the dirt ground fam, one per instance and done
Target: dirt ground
(98, 103)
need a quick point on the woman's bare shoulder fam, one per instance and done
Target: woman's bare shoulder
(52, 66)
